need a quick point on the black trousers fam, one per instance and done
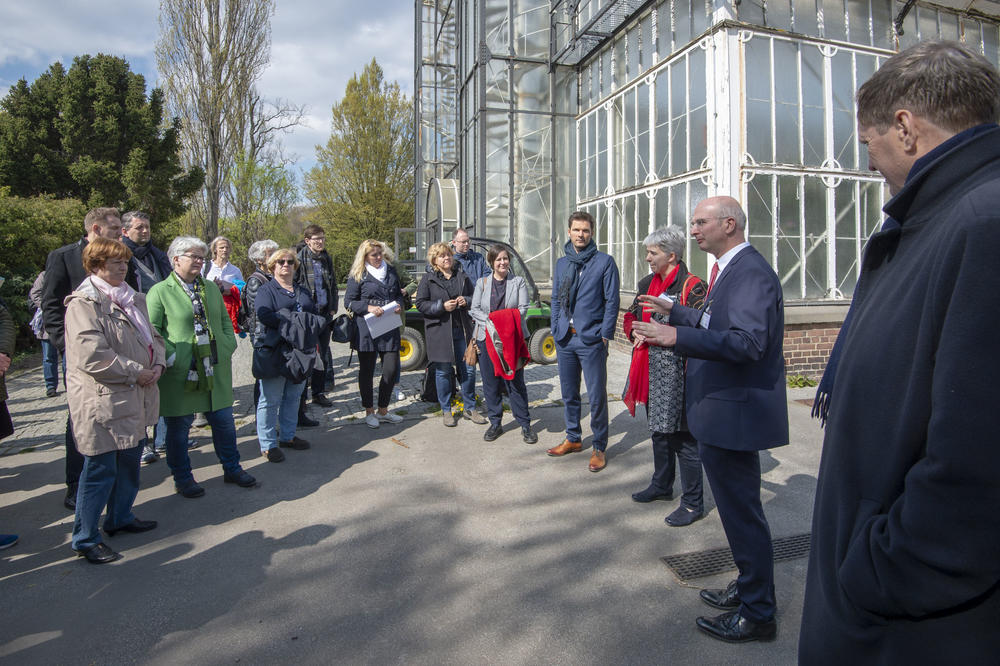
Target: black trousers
(517, 391)
(670, 451)
(735, 480)
(366, 374)
(318, 383)
(74, 459)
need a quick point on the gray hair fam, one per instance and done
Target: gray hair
(184, 244)
(735, 212)
(260, 250)
(945, 82)
(668, 239)
(133, 215)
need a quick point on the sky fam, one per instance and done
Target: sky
(316, 46)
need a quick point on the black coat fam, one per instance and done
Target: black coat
(329, 279)
(905, 559)
(432, 292)
(63, 274)
(369, 291)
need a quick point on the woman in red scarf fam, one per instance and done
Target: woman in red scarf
(656, 379)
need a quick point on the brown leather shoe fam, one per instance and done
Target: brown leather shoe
(597, 461)
(564, 448)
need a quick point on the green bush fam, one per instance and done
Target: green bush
(32, 227)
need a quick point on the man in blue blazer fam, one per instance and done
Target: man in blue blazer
(736, 404)
(585, 303)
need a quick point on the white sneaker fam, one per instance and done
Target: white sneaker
(372, 420)
(389, 417)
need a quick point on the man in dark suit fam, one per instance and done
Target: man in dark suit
(905, 560)
(736, 404)
(63, 273)
(585, 303)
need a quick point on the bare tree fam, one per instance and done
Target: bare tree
(211, 54)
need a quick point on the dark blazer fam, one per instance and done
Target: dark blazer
(64, 273)
(596, 312)
(369, 291)
(735, 385)
(329, 279)
(905, 559)
(432, 292)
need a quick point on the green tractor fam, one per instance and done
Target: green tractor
(541, 346)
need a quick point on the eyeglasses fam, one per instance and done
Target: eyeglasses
(285, 262)
(319, 239)
(195, 258)
(700, 222)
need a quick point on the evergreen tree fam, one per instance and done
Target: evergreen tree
(92, 134)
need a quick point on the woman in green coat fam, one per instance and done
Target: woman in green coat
(189, 313)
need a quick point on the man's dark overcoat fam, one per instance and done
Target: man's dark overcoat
(905, 559)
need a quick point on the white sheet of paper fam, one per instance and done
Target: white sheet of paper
(381, 325)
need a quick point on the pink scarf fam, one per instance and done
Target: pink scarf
(124, 297)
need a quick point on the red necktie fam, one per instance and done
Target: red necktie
(711, 278)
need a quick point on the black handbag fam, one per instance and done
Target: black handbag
(343, 328)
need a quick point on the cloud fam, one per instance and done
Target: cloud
(316, 47)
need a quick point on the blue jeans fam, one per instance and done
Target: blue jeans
(50, 365)
(277, 411)
(573, 358)
(466, 379)
(223, 438)
(109, 479)
(517, 391)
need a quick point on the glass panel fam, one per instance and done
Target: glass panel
(833, 20)
(664, 30)
(564, 88)
(760, 219)
(632, 64)
(497, 83)
(843, 109)
(813, 147)
(805, 17)
(700, 10)
(681, 23)
(971, 33)
(663, 217)
(857, 15)
(678, 119)
(926, 22)
(642, 148)
(758, 82)
(882, 30)
(662, 111)
(531, 28)
(646, 42)
(619, 63)
(626, 249)
(845, 204)
(697, 118)
(790, 232)
(530, 87)
(990, 42)
(778, 14)
(497, 27)
(816, 241)
(602, 151)
(751, 11)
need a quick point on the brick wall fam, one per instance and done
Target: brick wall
(807, 346)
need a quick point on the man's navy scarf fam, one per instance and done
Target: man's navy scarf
(568, 279)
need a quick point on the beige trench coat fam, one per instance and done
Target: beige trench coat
(104, 355)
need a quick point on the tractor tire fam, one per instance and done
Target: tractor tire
(542, 346)
(412, 349)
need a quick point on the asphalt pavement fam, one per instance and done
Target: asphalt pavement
(409, 544)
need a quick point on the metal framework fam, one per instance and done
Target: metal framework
(637, 109)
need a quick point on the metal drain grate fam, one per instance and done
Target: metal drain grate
(708, 562)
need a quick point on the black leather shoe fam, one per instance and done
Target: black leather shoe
(135, 526)
(99, 554)
(306, 422)
(727, 599)
(240, 478)
(493, 432)
(296, 443)
(70, 500)
(734, 628)
(191, 490)
(651, 494)
(528, 436)
(275, 455)
(322, 400)
(683, 516)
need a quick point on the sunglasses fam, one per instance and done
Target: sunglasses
(285, 262)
